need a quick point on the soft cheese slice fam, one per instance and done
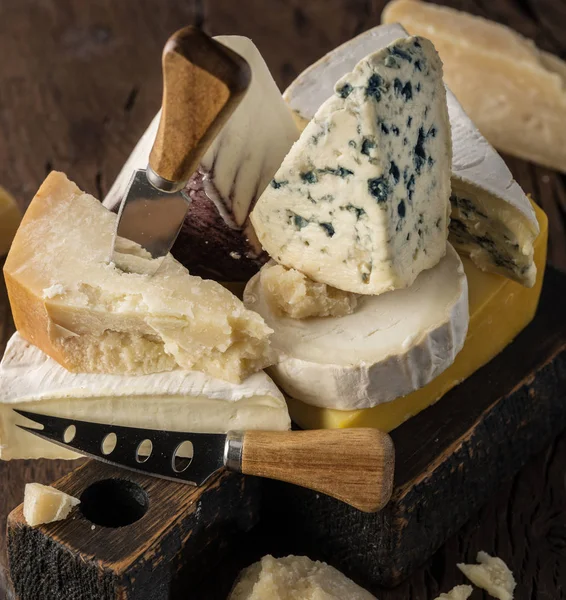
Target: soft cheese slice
(91, 317)
(174, 401)
(295, 578)
(45, 504)
(499, 310)
(361, 200)
(514, 92)
(10, 217)
(391, 345)
(492, 219)
(217, 239)
(492, 575)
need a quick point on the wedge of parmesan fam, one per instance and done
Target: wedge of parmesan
(10, 217)
(45, 504)
(460, 592)
(492, 575)
(91, 317)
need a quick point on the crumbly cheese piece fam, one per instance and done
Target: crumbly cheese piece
(460, 592)
(295, 578)
(290, 292)
(172, 401)
(499, 310)
(492, 219)
(492, 575)
(45, 504)
(391, 345)
(91, 317)
(514, 92)
(10, 217)
(362, 199)
(217, 237)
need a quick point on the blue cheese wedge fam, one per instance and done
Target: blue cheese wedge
(217, 240)
(389, 346)
(492, 219)
(174, 401)
(361, 201)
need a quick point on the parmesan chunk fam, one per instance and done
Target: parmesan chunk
(10, 217)
(460, 592)
(45, 504)
(492, 575)
(291, 293)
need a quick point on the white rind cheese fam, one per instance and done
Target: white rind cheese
(92, 317)
(45, 504)
(295, 578)
(492, 219)
(362, 199)
(491, 575)
(390, 346)
(460, 592)
(174, 401)
(242, 159)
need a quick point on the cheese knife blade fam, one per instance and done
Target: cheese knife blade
(353, 465)
(203, 83)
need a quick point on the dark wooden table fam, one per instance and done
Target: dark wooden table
(79, 83)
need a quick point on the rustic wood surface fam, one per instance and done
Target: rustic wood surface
(79, 83)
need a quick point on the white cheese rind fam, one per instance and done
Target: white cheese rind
(242, 159)
(175, 401)
(362, 199)
(295, 578)
(503, 240)
(492, 575)
(45, 504)
(390, 346)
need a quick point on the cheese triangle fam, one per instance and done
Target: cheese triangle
(91, 317)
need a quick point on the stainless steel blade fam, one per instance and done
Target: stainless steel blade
(131, 445)
(148, 223)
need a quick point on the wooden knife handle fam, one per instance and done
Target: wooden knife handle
(353, 465)
(203, 82)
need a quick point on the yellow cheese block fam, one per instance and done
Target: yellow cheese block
(499, 310)
(10, 217)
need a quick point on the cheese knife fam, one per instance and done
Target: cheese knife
(203, 83)
(352, 465)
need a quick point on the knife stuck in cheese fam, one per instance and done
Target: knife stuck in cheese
(171, 401)
(91, 317)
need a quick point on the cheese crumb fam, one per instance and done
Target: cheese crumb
(45, 504)
(492, 575)
(460, 592)
(291, 293)
(55, 290)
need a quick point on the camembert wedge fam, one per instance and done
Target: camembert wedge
(172, 401)
(361, 201)
(91, 317)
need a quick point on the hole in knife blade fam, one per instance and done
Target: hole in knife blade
(183, 456)
(109, 443)
(144, 451)
(69, 434)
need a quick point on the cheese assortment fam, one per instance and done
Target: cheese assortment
(372, 355)
(175, 400)
(91, 317)
(45, 504)
(10, 217)
(217, 239)
(492, 219)
(514, 92)
(361, 200)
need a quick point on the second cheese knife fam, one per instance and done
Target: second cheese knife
(352, 465)
(203, 82)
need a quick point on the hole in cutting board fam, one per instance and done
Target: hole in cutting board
(114, 503)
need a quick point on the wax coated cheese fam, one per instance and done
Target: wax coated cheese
(499, 310)
(10, 217)
(362, 199)
(91, 317)
(171, 401)
(217, 239)
(514, 92)
(492, 575)
(389, 346)
(492, 219)
(295, 578)
(45, 504)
